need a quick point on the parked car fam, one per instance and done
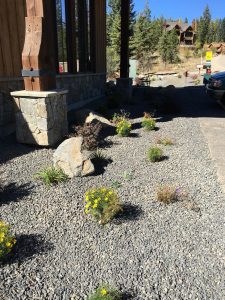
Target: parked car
(215, 87)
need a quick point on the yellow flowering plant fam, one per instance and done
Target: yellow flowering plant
(7, 241)
(102, 203)
(123, 127)
(106, 293)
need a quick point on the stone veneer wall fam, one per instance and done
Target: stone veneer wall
(83, 89)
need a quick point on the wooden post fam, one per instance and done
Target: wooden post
(124, 51)
(71, 35)
(98, 35)
(39, 56)
(83, 35)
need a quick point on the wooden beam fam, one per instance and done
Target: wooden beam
(71, 36)
(124, 50)
(98, 35)
(83, 35)
(38, 55)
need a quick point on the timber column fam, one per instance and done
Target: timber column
(124, 83)
(41, 110)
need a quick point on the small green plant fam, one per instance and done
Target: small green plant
(128, 176)
(122, 115)
(155, 154)
(170, 194)
(98, 156)
(123, 128)
(116, 184)
(103, 204)
(7, 241)
(106, 293)
(51, 175)
(164, 141)
(179, 76)
(148, 124)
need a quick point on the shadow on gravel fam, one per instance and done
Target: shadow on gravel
(101, 165)
(134, 135)
(127, 296)
(108, 144)
(14, 192)
(27, 246)
(130, 213)
(9, 148)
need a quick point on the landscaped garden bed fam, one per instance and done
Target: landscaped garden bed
(153, 248)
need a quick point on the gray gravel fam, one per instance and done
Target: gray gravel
(154, 252)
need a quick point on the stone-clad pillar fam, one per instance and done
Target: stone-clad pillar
(41, 117)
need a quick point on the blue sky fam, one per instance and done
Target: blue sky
(180, 8)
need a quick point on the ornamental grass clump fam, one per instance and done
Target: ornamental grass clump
(103, 204)
(123, 128)
(165, 141)
(106, 293)
(169, 194)
(7, 241)
(148, 123)
(51, 175)
(155, 154)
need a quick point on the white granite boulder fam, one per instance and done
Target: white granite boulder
(88, 116)
(70, 157)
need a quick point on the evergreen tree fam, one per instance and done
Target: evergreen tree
(186, 20)
(211, 37)
(114, 29)
(168, 47)
(223, 30)
(61, 33)
(203, 26)
(142, 31)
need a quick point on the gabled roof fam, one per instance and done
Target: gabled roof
(172, 24)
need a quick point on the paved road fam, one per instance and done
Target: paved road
(193, 102)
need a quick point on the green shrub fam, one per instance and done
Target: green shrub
(123, 128)
(164, 141)
(155, 154)
(7, 241)
(122, 115)
(90, 133)
(51, 176)
(103, 204)
(98, 156)
(148, 124)
(167, 194)
(106, 293)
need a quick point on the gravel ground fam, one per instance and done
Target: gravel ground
(153, 251)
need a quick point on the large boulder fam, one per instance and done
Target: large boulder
(89, 116)
(72, 160)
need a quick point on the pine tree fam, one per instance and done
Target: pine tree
(211, 33)
(223, 31)
(219, 31)
(168, 47)
(203, 26)
(186, 20)
(142, 31)
(61, 33)
(114, 29)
